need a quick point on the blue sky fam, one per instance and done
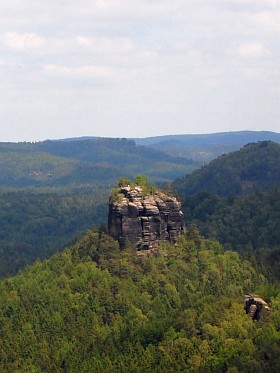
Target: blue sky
(137, 68)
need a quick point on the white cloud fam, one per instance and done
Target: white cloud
(85, 71)
(274, 3)
(269, 20)
(83, 41)
(106, 45)
(142, 62)
(253, 50)
(137, 8)
(18, 41)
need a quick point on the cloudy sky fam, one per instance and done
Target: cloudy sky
(137, 68)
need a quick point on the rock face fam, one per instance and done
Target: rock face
(145, 220)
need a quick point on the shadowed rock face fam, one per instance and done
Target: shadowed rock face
(145, 220)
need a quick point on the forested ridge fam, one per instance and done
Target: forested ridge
(205, 147)
(255, 167)
(236, 200)
(96, 161)
(96, 308)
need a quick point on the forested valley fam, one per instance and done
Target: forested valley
(36, 225)
(94, 307)
(52, 192)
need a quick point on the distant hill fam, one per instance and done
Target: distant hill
(51, 192)
(203, 148)
(88, 161)
(255, 167)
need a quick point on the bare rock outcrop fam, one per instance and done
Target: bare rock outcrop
(144, 220)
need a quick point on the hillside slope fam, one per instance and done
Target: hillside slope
(94, 308)
(255, 167)
(236, 199)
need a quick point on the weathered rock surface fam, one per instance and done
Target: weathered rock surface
(145, 220)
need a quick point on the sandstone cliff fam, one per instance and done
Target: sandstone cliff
(144, 220)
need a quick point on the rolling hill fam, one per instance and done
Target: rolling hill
(255, 167)
(96, 161)
(204, 148)
(236, 199)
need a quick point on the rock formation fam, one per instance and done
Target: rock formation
(255, 306)
(144, 220)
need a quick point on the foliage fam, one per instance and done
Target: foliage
(124, 182)
(237, 220)
(236, 199)
(51, 192)
(62, 163)
(95, 308)
(139, 180)
(254, 167)
(36, 225)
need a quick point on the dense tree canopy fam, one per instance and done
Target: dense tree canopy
(237, 220)
(36, 225)
(95, 308)
(94, 161)
(51, 192)
(236, 199)
(254, 167)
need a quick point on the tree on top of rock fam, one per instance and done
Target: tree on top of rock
(124, 181)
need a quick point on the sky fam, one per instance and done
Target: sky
(138, 68)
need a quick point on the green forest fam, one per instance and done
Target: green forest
(236, 200)
(254, 167)
(52, 192)
(36, 225)
(72, 301)
(99, 162)
(96, 308)
(249, 224)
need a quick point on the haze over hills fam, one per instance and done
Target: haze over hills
(201, 148)
(234, 137)
(97, 161)
(206, 147)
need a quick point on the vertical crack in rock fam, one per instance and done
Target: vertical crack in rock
(144, 220)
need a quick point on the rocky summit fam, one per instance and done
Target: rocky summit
(144, 219)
